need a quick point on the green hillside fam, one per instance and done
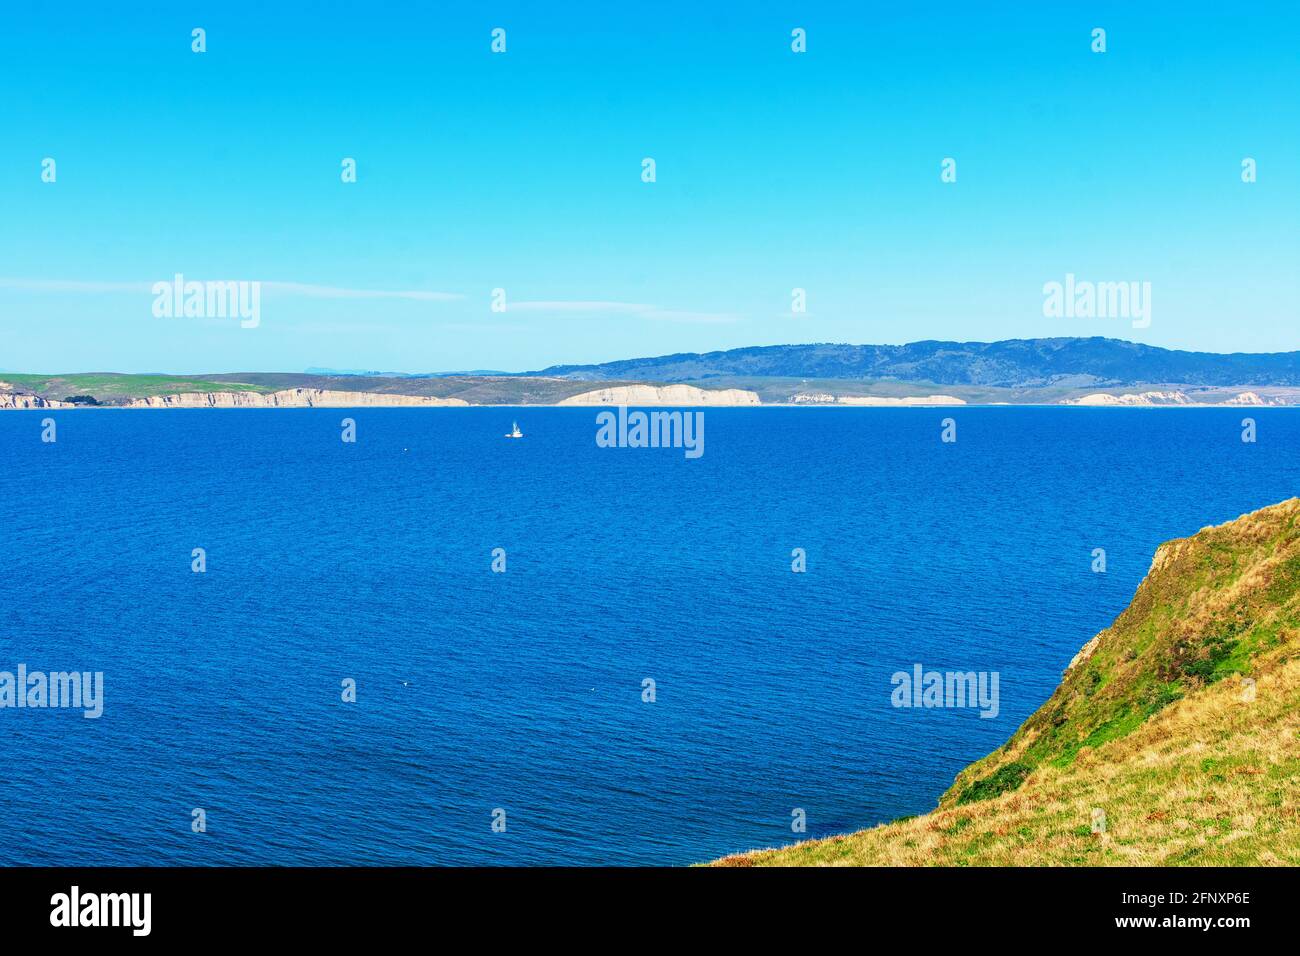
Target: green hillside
(109, 387)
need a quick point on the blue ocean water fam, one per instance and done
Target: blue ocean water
(523, 690)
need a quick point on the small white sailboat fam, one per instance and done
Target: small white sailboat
(514, 431)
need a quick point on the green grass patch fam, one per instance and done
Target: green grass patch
(1003, 780)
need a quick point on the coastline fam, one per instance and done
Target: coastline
(72, 406)
(640, 395)
(59, 406)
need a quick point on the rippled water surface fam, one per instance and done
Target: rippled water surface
(523, 690)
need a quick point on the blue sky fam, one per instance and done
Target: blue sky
(522, 171)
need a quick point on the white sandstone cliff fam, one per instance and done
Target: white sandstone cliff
(663, 395)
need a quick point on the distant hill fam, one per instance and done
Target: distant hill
(1175, 729)
(1093, 371)
(1015, 363)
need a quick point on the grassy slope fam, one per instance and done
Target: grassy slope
(1150, 724)
(111, 386)
(477, 390)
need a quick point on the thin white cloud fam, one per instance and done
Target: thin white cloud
(334, 292)
(640, 310)
(672, 315)
(68, 285)
(287, 288)
(577, 306)
(474, 327)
